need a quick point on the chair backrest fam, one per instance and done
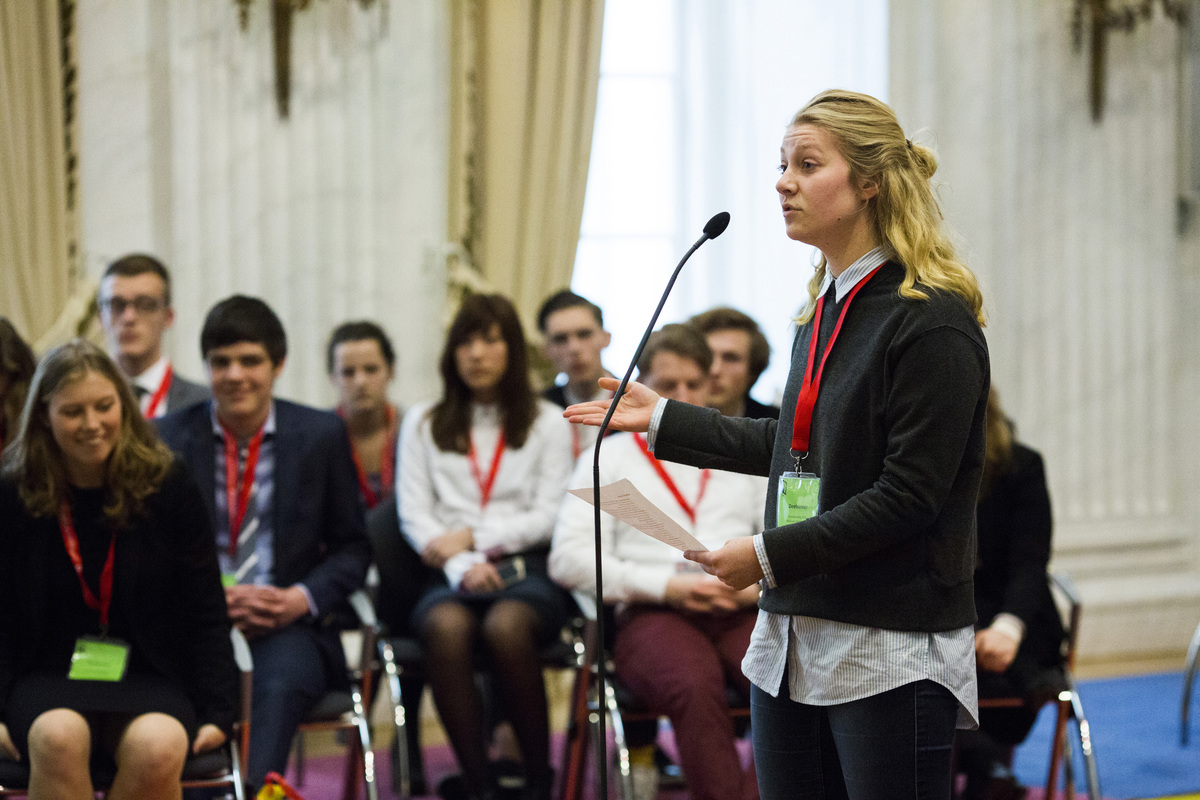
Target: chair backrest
(1062, 586)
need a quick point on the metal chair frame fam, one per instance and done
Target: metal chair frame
(619, 708)
(350, 710)
(1068, 706)
(1189, 677)
(404, 656)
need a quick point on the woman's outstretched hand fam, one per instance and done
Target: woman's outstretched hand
(633, 413)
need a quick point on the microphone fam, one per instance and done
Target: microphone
(712, 229)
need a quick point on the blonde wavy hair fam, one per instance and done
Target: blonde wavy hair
(905, 213)
(138, 463)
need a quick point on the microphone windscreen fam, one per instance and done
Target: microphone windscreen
(717, 225)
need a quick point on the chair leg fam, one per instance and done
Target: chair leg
(368, 755)
(1092, 771)
(1062, 709)
(1189, 676)
(235, 762)
(578, 726)
(360, 760)
(402, 775)
(619, 740)
(298, 755)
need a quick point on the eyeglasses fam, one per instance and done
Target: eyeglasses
(141, 304)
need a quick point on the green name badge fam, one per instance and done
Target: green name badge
(98, 659)
(798, 494)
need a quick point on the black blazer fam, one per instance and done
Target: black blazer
(165, 582)
(1014, 530)
(319, 532)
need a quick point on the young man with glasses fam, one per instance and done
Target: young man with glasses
(135, 312)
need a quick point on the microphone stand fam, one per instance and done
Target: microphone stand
(712, 229)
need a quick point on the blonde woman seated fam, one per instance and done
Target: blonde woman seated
(482, 473)
(681, 634)
(105, 543)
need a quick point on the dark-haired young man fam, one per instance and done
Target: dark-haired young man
(135, 313)
(740, 354)
(573, 330)
(280, 484)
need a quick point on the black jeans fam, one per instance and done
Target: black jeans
(897, 744)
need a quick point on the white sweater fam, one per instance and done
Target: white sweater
(437, 491)
(637, 567)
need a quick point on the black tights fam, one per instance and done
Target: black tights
(509, 630)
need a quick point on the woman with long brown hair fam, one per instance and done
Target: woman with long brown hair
(114, 639)
(482, 473)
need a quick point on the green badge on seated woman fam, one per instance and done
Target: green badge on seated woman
(798, 494)
(98, 659)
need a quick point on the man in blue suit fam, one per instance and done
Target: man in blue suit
(279, 481)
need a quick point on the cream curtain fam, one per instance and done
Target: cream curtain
(524, 77)
(35, 267)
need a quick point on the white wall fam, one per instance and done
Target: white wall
(1090, 289)
(337, 212)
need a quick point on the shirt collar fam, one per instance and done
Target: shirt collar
(152, 377)
(853, 275)
(218, 431)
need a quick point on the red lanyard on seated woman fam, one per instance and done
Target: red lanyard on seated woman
(70, 539)
(688, 508)
(387, 467)
(485, 486)
(811, 385)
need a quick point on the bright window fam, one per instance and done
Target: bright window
(693, 100)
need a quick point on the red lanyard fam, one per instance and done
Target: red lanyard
(71, 542)
(689, 509)
(812, 385)
(485, 486)
(387, 467)
(238, 486)
(160, 393)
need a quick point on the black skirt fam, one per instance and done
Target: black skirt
(38, 692)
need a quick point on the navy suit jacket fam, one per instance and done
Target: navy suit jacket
(318, 523)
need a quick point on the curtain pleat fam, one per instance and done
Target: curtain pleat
(34, 218)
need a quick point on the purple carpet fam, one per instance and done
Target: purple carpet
(323, 780)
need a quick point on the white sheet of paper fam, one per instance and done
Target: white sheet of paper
(623, 500)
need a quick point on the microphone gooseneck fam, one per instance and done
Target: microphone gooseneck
(712, 229)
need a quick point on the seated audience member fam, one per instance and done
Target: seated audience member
(361, 363)
(573, 329)
(105, 543)
(1018, 644)
(680, 633)
(16, 371)
(278, 481)
(135, 312)
(482, 473)
(740, 354)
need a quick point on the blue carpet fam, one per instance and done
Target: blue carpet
(1135, 732)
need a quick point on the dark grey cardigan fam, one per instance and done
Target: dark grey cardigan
(897, 438)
